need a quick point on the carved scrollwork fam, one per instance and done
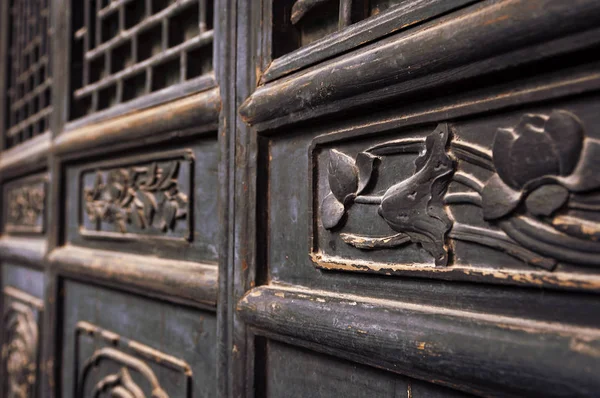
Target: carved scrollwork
(124, 368)
(147, 197)
(120, 384)
(535, 202)
(26, 208)
(20, 348)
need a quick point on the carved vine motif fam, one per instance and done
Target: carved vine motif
(20, 350)
(544, 181)
(147, 197)
(97, 381)
(26, 208)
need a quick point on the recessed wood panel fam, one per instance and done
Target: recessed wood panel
(115, 340)
(164, 195)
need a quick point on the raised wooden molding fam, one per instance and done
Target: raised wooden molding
(400, 17)
(452, 347)
(193, 282)
(423, 58)
(23, 250)
(26, 156)
(200, 111)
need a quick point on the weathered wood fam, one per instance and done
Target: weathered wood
(413, 61)
(27, 157)
(195, 283)
(464, 349)
(23, 250)
(198, 110)
(404, 16)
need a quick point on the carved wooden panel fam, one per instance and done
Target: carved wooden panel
(25, 205)
(528, 195)
(167, 197)
(117, 342)
(122, 367)
(20, 346)
(145, 196)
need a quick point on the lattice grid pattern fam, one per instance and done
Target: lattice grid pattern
(28, 78)
(125, 49)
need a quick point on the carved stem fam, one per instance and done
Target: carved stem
(371, 243)
(468, 180)
(462, 198)
(368, 199)
(499, 241)
(472, 154)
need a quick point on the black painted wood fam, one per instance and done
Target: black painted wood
(305, 198)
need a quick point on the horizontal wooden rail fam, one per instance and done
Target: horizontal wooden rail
(481, 353)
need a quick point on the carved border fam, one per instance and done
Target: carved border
(114, 352)
(25, 356)
(24, 183)
(178, 154)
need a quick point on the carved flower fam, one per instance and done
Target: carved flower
(415, 206)
(540, 160)
(347, 179)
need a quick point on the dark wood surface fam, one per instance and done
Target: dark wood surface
(304, 198)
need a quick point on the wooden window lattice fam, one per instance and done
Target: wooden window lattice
(126, 49)
(28, 73)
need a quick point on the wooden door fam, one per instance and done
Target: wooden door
(416, 202)
(110, 175)
(299, 198)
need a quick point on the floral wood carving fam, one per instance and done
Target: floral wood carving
(99, 381)
(26, 208)
(138, 198)
(543, 179)
(20, 350)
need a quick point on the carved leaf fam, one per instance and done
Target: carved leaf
(167, 179)
(343, 176)
(498, 199)
(148, 206)
(365, 163)
(151, 175)
(567, 135)
(546, 199)
(415, 205)
(332, 212)
(137, 218)
(169, 212)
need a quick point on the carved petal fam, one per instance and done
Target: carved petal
(586, 176)
(365, 163)
(533, 155)
(343, 175)
(169, 212)
(567, 134)
(501, 150)
(546, 199)
(149, 206)
(332, 212)
(498, 199)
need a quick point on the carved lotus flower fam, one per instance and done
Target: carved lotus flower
(347, 179)
(540, 160)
